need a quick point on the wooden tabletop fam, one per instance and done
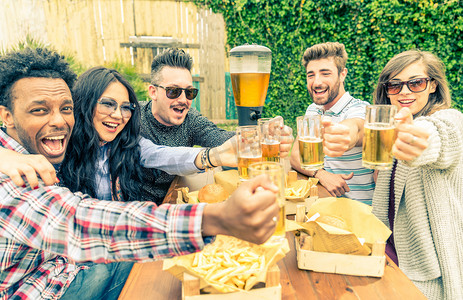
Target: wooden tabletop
(147, 280)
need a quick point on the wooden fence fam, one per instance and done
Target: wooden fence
(95, 32)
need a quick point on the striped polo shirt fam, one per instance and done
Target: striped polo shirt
(362, 184)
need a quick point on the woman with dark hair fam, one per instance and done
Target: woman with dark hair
(103, 133)
(105, 151)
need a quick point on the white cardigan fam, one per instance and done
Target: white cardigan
(428, 222)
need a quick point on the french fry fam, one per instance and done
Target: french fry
(230, 264)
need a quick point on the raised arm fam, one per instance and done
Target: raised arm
(17, 165)
(86, 229)
(342, 136)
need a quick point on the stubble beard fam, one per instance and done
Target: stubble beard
(26, 140)
(332, 94)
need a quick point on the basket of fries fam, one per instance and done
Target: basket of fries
(230, 267)
(299, 191)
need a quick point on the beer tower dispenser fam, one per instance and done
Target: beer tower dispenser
(250, 74)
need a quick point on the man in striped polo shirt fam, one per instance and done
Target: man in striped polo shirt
(343, 174)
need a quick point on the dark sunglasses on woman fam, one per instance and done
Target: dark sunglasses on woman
(415, 85)
(175, 92)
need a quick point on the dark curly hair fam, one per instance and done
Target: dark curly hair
(172, 57)
(29, 62)
(79, 166)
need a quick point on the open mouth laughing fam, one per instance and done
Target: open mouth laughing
(179, 109)
(111, 126)
(54, 145)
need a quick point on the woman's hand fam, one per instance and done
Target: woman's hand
(411, 140)
(16, 165)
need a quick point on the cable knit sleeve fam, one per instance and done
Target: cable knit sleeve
(445, 140)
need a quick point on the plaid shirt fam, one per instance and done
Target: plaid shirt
(45, 231)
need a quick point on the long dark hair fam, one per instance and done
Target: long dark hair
(79, 166)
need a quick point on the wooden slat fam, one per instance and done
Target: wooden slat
(300, 281)
(157, 45)
(97, 32)
(141, 282)
(340, 287)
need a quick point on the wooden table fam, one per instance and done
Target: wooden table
(147, 280)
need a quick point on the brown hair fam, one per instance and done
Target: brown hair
(434, 68)
(330, 49)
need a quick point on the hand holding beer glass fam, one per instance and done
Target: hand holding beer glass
(379, 136)
(309, 132)
(270, 129)
(275, 172)
(249, 148)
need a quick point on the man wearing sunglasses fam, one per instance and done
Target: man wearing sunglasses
(168, 119)
(55, 244)
(343, 174)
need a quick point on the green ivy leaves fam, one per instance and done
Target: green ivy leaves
(372, 30)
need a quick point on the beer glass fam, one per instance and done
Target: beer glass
(270, 130)
(309, 132)
(378, 137)
(249, 148)
(275, 172)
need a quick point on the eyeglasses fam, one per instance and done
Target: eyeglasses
(415, 85)
(175, 92)
(108, 106)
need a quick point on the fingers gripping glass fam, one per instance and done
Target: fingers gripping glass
(175, 92)
(108, 106)
(415, 85)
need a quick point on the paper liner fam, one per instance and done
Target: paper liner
(361, 222)
(272, 252)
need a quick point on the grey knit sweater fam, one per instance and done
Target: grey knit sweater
(428, 223)
(195, 130)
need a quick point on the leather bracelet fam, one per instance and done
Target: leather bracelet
(316, 171)
(209, 158)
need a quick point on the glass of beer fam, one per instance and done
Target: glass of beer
(309, 132)
(378, 137)
(270, 130)
(275, 172)
(249, 148)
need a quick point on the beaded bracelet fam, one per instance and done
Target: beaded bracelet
(204, 164)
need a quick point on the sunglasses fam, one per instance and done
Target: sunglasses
(107, 106)
(175, 92)
(415, 85)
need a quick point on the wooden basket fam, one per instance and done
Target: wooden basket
(358, 265)
(272, 289)
(291, 204)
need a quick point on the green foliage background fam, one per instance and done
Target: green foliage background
(372, 30)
